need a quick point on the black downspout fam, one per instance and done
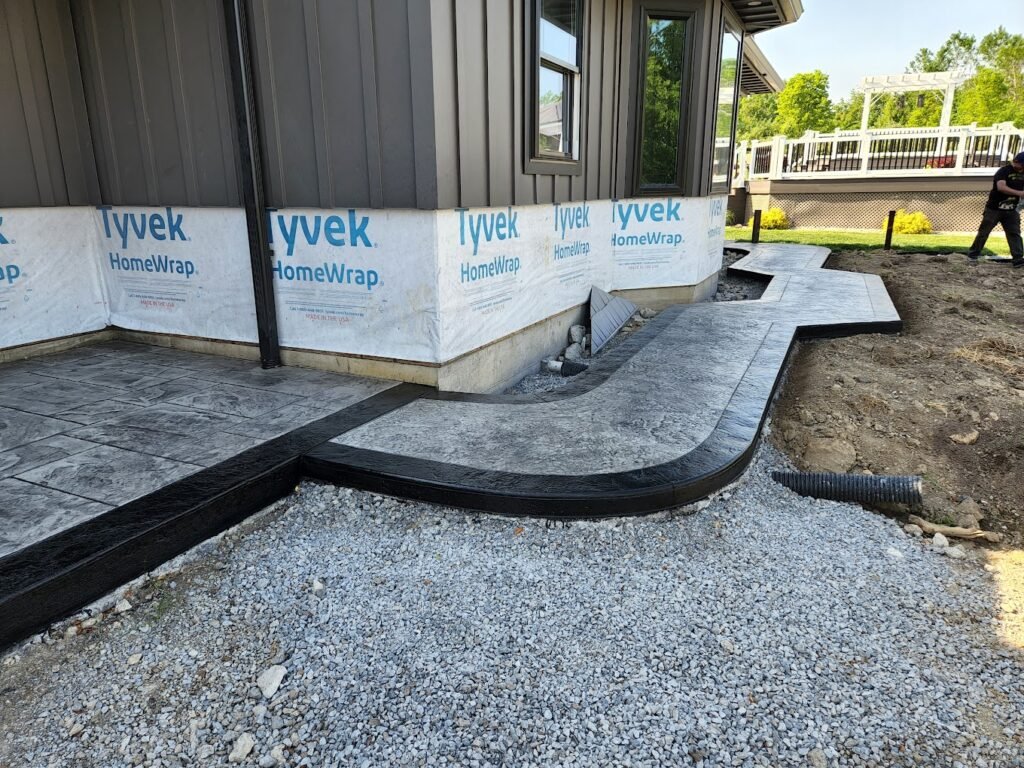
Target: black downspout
(253, 198)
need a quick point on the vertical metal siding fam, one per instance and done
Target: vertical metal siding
(482, 131)
(342, 122)
(156, 86)
(46, 156)
(364, 103)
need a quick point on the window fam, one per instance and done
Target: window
(663, 94)
(725, 117)
(556, 109)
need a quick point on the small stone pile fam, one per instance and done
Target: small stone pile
(579, 339)
(579, 344)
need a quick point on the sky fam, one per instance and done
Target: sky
(848, 39)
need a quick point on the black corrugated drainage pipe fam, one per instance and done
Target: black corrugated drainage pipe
(867, 489)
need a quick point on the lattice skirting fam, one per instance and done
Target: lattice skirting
(948, 211)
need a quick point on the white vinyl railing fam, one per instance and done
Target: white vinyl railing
(965, 150)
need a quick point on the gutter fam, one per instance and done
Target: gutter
(249, 148)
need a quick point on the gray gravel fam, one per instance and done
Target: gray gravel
(762, 629)
(545, 381)
(734, 288)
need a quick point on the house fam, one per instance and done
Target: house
(416, 190)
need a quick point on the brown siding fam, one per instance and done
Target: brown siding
(156, 85)
(45, 147)
(370, 103)
(480, 71)
(343, 124)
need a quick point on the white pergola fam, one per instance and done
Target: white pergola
(908, 83)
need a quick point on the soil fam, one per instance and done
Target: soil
(944, 399)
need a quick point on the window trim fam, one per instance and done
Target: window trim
(537, 162)
(684, 164)
(740, 36)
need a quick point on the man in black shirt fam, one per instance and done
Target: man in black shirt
(1001, 208)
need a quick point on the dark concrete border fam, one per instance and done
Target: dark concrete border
(721, 458)
(56, 576)
(715, 463)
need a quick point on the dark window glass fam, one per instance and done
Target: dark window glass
(725, 119)
(662, 102)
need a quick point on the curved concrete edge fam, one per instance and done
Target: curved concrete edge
(715, 463)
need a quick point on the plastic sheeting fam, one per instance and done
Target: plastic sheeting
(425, 286)
(49, 279)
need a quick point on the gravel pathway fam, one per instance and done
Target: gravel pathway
(762, 629)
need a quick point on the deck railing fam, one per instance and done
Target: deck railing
(965, 150)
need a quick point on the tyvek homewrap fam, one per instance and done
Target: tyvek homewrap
(424, 286)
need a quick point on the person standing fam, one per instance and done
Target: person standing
(1001, 208)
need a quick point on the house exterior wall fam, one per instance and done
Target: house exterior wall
(46, 155)
(156, 84)
(379, 118)
(128, 102)
(346, 104)
(367, 103)
(481, 54)
(482, 111)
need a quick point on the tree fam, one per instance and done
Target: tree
(957, 53)
(756, 117)
(1004, 53)
(804, 104)
(985, 99)
(995, 92)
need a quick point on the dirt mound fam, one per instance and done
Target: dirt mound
(945, 399)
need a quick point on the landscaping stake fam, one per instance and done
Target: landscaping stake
(755, 236)
(888, 230)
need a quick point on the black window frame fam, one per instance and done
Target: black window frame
(693, 18)
(740, 36)
(539, 162)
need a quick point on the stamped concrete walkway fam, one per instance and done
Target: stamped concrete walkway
(117, 456)
(671, 415)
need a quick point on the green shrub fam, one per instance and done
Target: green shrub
(730, 217)
(915, 223)
(773, 218)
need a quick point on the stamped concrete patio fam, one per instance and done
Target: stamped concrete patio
(88, 430)
(117, 456)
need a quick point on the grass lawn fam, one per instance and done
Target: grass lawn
(852, 240)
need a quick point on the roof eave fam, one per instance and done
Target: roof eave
(757, 74)
(759, 15)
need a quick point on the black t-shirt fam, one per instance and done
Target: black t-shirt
(1014, 180)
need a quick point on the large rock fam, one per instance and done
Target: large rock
(576, 334)
(965, 438)
(243, 746)
(271, 679)
(573, 352)
(968, 514)
(829, 454)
